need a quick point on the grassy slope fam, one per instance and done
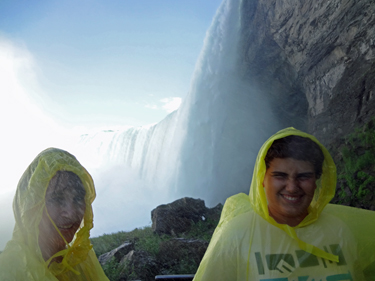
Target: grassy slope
(146, 240)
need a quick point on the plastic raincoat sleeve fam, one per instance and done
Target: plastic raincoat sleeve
(22, 258)
(332, 243)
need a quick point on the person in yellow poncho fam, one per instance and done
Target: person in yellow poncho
(53, 214)
(285, 230)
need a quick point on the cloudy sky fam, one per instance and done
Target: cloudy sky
(75, 66)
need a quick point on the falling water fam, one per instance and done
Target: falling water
(206, 149)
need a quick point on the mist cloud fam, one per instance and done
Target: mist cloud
(26, 129)
(168, 104)
(124, 201)
(171, 104)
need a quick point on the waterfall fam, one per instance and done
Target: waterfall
(206, 149)
(225, 119)
(145, 149)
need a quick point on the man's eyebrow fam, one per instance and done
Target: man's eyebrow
(278, 173)
(299, 174)
(306, 174)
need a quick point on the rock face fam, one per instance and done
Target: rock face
(319, 56)
(178, 217)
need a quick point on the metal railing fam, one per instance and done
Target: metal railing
(176, 277)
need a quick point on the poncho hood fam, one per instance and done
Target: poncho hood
(28, 206)
(322, 195)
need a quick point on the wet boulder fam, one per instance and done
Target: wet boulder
(179, 216)
(117, 253)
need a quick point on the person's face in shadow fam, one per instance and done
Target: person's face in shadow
(65, 204)
(290, 186)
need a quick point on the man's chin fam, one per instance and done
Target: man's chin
(296, 213)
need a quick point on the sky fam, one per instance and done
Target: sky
(125, 62)
(71, 67)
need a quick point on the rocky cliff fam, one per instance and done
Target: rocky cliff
(316, 59)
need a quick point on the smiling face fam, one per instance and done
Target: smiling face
(289, 185)
(65, 204)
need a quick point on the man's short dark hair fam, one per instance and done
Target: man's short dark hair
(64, 179)
(299, 148)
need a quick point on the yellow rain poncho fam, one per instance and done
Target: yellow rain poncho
(332, 243)
(22, 258)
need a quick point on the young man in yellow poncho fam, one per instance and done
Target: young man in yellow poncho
(285, 230)
(53, 213)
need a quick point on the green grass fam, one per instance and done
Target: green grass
(112, 269)
(202, 230)
(355, 172)
(145, 239)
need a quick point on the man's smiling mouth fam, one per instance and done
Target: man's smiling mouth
(66, 226)
(292, 198)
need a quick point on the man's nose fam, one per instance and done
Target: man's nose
(68, 210)
(292, 185)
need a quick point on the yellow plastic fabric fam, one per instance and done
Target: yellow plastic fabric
(22, 258)
(247, 239)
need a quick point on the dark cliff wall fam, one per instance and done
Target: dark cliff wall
(316, 59)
